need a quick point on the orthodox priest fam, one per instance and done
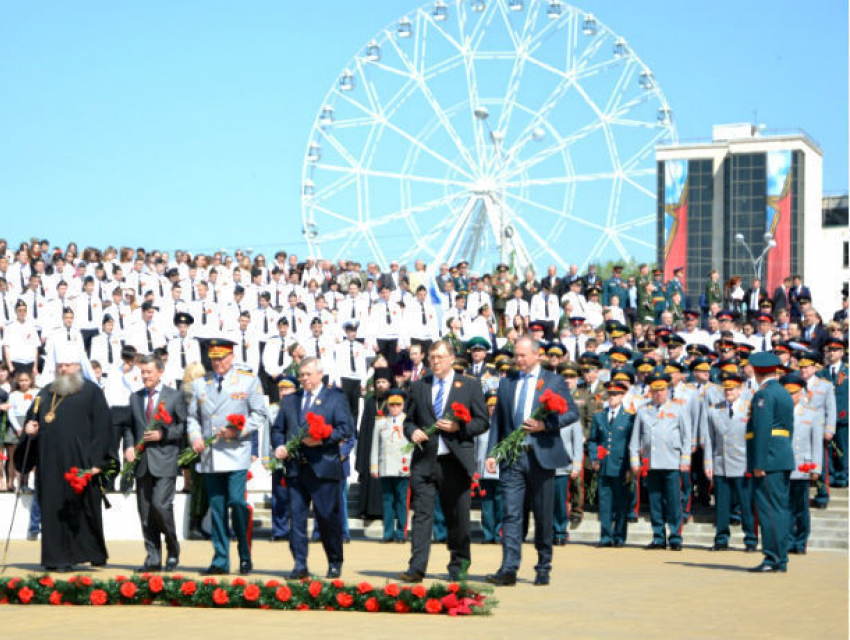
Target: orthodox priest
(68, 425)
(369, 498)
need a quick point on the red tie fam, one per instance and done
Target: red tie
(149, 410)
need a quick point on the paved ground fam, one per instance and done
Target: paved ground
(594, 593)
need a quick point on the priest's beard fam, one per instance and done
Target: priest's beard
(68, 384)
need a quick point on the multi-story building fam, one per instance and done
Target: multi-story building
(722, 203)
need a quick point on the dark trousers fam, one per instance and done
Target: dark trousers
(527, 477)
(226, 493)
(613, 505)
(727, 491)
(665, 504)
(491, 510)
(155, 500)
(838, 462)
(425, 344)
(387, 348)
(394, 501)
(686, 488)
(121, 418)
(351, 389)
(801, 524)
(452, 482)
(280, 505)
(88, 335)
(772, 493)
(343, 515)
(561, 508)
(304, 489)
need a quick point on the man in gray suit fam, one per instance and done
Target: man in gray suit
(226, 391)
(157, 469)
(534, 471)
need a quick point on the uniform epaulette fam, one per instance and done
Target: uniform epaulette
(630, 410)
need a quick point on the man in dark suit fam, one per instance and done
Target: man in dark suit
(555, 283)
(444, 462)
(315, 472)
(533, 473)
(813, 329)
(780, 295)
(756, 294)
(156, 470)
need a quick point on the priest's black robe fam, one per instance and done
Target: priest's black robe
(369, 500)
(79, 436)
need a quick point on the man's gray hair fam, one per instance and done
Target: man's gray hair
(534, 344)
(147, 359)
(312, 360)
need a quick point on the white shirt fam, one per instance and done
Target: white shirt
(531, 383)
(442, 449)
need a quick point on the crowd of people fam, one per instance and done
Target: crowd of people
(661, 388)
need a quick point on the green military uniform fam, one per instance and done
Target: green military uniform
(713, 293)
(770, 432)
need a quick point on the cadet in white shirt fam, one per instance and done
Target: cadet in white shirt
(386, 333)
(516, 306)
(145, 334)
(299, 324)
(420, 320)
(545, 308)
(276, 356)
(88, 313)
(264, 318)
(246, 345)
(208, 323)
(354, 307)
(21, 342)
(106, 346)
(349, 367)
(182, 349)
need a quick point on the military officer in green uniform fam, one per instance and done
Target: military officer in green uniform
(770, 459)
(615, 286)
(713, 289)
(608, 450)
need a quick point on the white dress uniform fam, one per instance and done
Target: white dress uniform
(264, 323)
(106, 349)
(354, 309)
(88, 312)
(420, 320)
(22, 340)
(146, 337)
(323, 348)
(387, 457)
(276, 358)
(385, 324)
(515, 307)
(36, 308)
(346, 353)
(181, 352)
(207, 321)
(476, 299)
(246, 348)
(545, 307)
(299, 322)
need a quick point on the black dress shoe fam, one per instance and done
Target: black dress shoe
(333, 572)
(245, 567)
(719, 547)
(602, 545)
(799, 552)
(410, 576)
(675, 546)
(280, 538)
(751, 548)
(631, 519)
(541, 579)
(501, 579)
(64, 568)
(171, 563)
(766, 568)
(149, 568)
(299, 574)
(213, 570)
(618, 544)
(655, 545)
(561, 542)
(32, 536)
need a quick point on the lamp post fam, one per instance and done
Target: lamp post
(758, 263)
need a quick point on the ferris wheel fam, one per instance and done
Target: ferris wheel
(495, 131)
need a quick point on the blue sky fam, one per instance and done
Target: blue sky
(185, 124)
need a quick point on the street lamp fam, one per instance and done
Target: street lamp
(758, 263)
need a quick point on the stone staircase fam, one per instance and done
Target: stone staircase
(829, 527)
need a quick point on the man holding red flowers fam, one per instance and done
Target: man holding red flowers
(314, 472)
(542, 452)
(444, 461)
(158, 421)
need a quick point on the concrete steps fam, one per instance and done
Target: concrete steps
(829, 527)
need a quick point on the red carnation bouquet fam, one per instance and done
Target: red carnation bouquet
(510, 448)
(456, 412)
(807, 467)
(317, 428)
(78, 479)
(601, 452)
(159, 419)
(188, 455)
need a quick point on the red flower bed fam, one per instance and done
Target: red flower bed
(177, 591)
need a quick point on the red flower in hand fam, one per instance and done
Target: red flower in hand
(461, 413)
(601, 452)
(553, 403)
(163, 415)
(237, 421)
(317, 427)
